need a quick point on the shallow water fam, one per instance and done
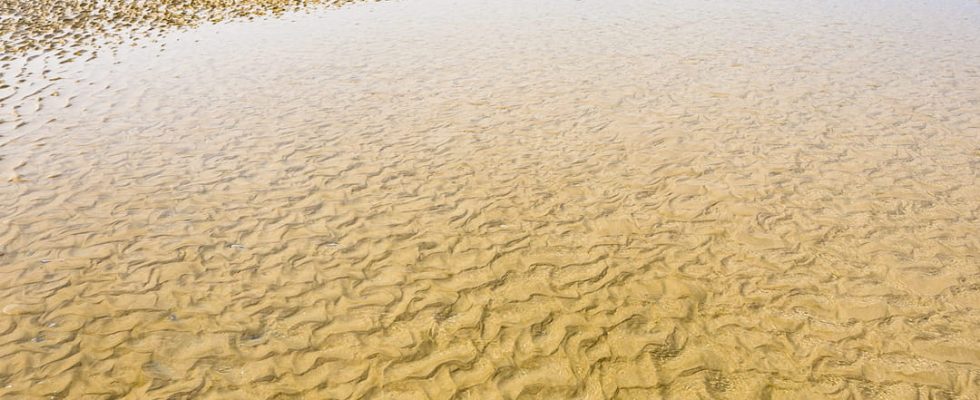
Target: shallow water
(506, 199)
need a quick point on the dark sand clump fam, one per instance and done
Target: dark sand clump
(64, 26)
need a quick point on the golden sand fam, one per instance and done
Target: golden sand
(62, 26)
(436, 199)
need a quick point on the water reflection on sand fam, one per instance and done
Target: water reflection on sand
(507, 199)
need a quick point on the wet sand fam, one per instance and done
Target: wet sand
(508, 199)
(65, 27)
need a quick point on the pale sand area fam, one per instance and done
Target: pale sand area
(502, 199)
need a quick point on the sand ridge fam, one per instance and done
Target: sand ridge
(505, 200)
(64, 26)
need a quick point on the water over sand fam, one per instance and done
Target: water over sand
(502, 199)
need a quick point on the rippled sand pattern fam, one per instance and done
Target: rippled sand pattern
(61, 27)
(509, 199)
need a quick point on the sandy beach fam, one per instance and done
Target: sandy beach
(440, 199)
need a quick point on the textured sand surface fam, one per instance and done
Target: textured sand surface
(63, 26)
(503, 199)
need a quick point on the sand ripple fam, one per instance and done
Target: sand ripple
(71, 28)
(439, 199)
